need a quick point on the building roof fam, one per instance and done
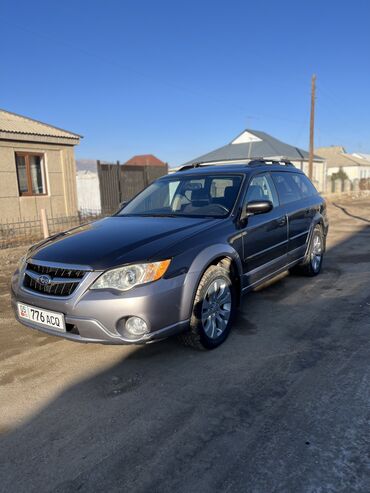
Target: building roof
(11, 124)
(254, 144)
(361, 155)
(336, 156)
(145, 160)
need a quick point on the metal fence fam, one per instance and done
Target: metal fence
(17, 233)
(119, 183)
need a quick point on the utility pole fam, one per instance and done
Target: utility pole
(312, 126)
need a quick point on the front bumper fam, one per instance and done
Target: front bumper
(98, 315)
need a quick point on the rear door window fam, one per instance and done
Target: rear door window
(287, 187)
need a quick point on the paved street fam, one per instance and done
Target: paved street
(282, 406)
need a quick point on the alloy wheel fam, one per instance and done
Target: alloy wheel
(216, 308)
(316, 252)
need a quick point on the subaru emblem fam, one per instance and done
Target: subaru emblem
(44, 280)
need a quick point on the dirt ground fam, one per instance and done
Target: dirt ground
(282, 406)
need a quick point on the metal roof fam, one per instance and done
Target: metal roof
(254, 144)
(362, 155)
(17, 124)
(145, 160)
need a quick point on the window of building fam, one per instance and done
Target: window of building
(30, 173)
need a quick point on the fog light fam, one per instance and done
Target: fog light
(136, 326)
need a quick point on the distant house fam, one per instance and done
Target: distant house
(364, 164)
(355, 166)
(256, 144)
(145, 160)
(37, 168)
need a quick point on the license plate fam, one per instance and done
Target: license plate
(42, 317)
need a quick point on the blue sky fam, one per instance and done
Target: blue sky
(180, 78)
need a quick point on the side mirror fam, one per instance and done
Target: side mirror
(257, 207)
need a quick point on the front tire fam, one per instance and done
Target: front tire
(213, 310)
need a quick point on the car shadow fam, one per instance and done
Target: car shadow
(277, 408)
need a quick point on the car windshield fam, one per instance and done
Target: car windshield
(202, 196)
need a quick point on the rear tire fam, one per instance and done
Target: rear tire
(213, 310)
(312, 264)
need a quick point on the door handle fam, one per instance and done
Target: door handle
(281, 221)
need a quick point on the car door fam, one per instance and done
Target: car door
(265, 236)
(298, 209)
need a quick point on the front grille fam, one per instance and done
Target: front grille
(57, 286)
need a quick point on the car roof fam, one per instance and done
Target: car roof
(231, 168)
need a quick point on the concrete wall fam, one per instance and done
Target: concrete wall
(60, 171)
(353, 172)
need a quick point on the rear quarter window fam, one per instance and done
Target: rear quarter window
(305, 185)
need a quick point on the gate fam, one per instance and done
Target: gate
(119, 183)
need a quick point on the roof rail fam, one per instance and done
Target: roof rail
(258, 161)
(263, 161)
(191, 166)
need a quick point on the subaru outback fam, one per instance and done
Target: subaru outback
(176, 259)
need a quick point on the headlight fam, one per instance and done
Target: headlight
(127, 277)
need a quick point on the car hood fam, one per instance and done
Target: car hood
(118, 240)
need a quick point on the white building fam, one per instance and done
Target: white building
(365, 171)
(355, 166)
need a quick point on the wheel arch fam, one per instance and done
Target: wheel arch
(222, 255)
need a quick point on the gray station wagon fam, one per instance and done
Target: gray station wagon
(176, 258)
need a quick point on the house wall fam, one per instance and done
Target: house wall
(60, 171)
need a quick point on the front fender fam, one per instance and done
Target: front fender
(197, 268)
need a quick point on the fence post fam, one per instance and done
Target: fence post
(347, 185)
(119, 182)
(44, 223)
(329, 185)
(146, 176)
(337, 185)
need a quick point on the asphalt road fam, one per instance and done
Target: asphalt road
(283, 406)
